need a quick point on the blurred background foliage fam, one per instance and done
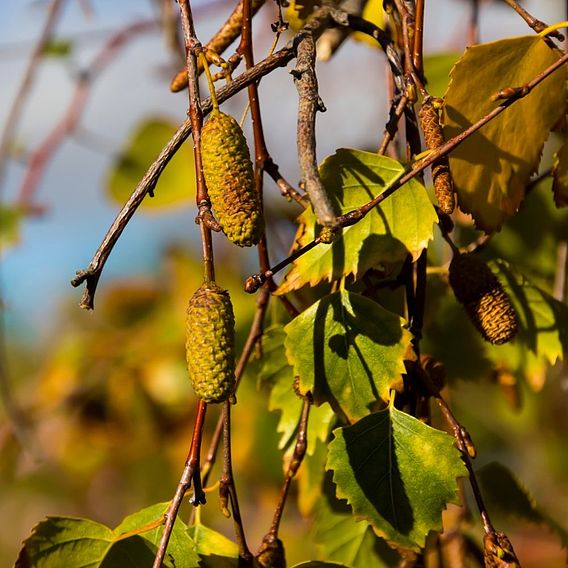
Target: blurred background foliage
(101, 405)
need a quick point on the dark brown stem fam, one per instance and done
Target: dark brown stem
(24, 90)
(286, 189)
(310, 102)
(227, 489)
(295, 463)
(396, 111)
(190, 474)
(531, 21)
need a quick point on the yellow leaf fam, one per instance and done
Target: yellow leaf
(560, 173)
(492, 167)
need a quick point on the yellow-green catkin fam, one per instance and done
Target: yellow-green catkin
(230, 179)
(434, 138)
(210, 330)
(486, 302)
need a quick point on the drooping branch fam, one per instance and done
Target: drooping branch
(92, 273)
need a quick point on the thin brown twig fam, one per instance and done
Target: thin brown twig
(531, 21)
(352, 217)
(417, 51)
(227, 488)
(190, 474)
(224, 37)
(24, 90)
(295, 462)
(42, 156)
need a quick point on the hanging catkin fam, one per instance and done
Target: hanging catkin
(434, 138)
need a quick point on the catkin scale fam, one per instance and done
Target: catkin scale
(486, 302)
(230, 180)
(434, 138)
(209, 345)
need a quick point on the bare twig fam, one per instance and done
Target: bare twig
(227, 488)
(224, 37)
(310, 102)
(190, 474)
(24, 90)
(531, 21)
(70, 121)
(293, 467)
(417, 51)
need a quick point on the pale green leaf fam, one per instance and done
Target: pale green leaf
(543, 321)
(348, 351)
(181, 548)
(402, 224)
(437, 67)
(10, 222)
(560, 173)
(214, 549)
(278, 375)
(502, 491)
(397, 473)
(491, 168)
(343, 539)
(177, 182)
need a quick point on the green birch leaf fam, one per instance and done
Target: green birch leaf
(214, 549)
(181, 548)
(505, 493)
(437, 67)
(278, 375)
(492, 167)
(343, 539)
(66, 541)
(560, 175)
(176, 183)
(348, 351)
(397, 473)
(403, 223)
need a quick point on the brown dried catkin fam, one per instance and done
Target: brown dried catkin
(434, 138)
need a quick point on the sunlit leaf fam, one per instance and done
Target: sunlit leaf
(214, 549)
(277, 373)
(505, 493)
(437, 69)
(372, 12)
(181, 548)
(343, 539)
(492, 167)
(68, 541)
(348, 351)
(10, 221)
(374, 465)
(543, 321)
(176, 184)
(560, 173)
(319, 564)
(403, 223)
